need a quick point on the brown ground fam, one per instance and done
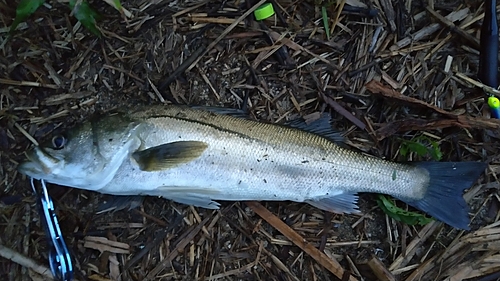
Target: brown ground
(54, 73)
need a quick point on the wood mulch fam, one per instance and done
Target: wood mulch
(388, 71)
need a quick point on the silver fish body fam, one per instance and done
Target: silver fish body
(196, 157)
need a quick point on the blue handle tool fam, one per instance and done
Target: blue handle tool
(488, 55)
(59, 257)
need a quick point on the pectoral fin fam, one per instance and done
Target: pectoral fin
(196, 196)
(168, 155)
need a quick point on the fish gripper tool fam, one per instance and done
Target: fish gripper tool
(59, 257)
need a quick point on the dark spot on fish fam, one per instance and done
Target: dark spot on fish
(239, 182)
(258, 160)
(327, 193)
(265, 181)
(213, 163)
(323, 158)
(305, 161)
(275, 195)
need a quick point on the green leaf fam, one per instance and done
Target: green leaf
(422, 146)
(25, 9)
(436, 152)
(86, 15)
(118, 5)
(411, 218)
(418, 148)
(324, 14)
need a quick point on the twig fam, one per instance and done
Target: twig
(194, 56)
(454, 28)
(411, 250)
(27, 83)
(332, 265)
(485, 88)
(178, 249)
(226, 31)
(25, 262)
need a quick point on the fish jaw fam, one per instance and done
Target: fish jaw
(40, 164)
(43, 165)
(82, 175)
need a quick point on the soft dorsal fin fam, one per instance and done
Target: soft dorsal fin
(168, 155)
(320, 126)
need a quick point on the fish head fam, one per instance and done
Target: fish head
(85, 157)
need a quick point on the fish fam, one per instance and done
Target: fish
(200, 156)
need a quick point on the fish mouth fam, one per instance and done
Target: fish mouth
(32, 169)
(34, 166)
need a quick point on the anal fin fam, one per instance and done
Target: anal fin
(341, 203)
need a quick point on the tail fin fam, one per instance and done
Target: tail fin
(444, 200)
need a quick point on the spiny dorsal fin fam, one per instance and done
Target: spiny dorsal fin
(239, 113)
(321, 126)
(168, 155)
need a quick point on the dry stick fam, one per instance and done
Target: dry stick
(430, 29)
(454, 28)
(411, 249)
(389, 13)
(213, 20)
(27, 83)
(487, 89)
(296, 47)
(178, 249)
(332, 265)
(158, 238)
(25, 262)
(337, 107)
(192, 59)
(380, 270)
(226, 31)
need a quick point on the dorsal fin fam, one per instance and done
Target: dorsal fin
(224, 111)
(321, 126)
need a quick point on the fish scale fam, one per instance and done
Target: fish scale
(197, 157)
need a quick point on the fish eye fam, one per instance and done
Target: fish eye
(58, 142)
